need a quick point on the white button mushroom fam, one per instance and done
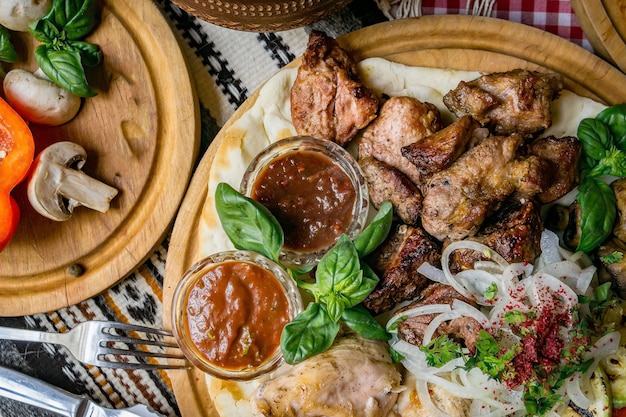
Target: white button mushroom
(18, 14)
(39, 100)
(57, 185)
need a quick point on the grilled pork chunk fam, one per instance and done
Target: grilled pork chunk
(396, 262)
(327, 98)
(458, 199)
(385, 183)
(514, 231)
(354, 378)
(517, 101)
(401, 121)
(564, 156)
(439, 150)
(463, 329)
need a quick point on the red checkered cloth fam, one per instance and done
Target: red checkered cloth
(554, 16)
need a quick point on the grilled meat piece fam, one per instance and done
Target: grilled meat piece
(401, 121)
(619, 229)
(564, 156)
(386, 183)
(517, 101)
(439, 150)
(327, 98)
(396, 262)
(463, 329)
(458, 199)
(614, 272)
(354, 378)
(514, 231)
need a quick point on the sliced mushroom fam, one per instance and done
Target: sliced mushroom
(57, 185)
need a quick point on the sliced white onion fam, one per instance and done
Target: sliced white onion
(432, 273)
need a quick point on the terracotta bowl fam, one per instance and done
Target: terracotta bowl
(262, 15)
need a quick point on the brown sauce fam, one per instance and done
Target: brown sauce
(235, 315)
(311, 197)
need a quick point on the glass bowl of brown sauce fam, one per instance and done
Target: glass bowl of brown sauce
(228, 313)
(314, 188)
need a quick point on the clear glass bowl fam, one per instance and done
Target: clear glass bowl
(341, 158)
(181, 312)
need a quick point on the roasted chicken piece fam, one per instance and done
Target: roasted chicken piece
(354, 378)
(439, 150)
(514, 232)
(458, 199)
(564, 157)
(463, 329)
(385, 183)
(401, 122)
(396, 262)
(517, 101)
(619, 188)
(327, 98)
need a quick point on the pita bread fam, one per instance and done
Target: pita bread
(269, 120)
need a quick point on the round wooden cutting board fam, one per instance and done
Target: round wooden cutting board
(141, 134)
(458, 42)
(604, 24)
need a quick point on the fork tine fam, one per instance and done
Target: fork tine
(139, 366)
(105, 350)
(134, 327)
(137, 341)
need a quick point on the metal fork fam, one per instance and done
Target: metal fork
(109, 344)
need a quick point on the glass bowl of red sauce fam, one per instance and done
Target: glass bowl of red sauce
(314, 188)
(229, 311)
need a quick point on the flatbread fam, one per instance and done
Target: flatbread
(269, 120)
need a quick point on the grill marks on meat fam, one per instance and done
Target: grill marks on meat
(396, 262)
(463, 329)
(354, 378)
(517, 101)
(327, 98)
(514, 231)
(457, 200)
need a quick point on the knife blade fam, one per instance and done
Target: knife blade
(26, 389)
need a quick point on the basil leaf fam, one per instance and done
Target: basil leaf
(359, 319)
(65, 69)
(340, 263)
(595, 138)
(335, 303)
(44, 31)
(90, 54)
(615, 118)
(7, 51)
(598, 212)
(76, 18)
(309, 333)
(248, 224)
(376, 232)
(368, 283)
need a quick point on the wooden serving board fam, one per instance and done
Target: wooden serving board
(141, 134)
(458, 42)
(604, 24)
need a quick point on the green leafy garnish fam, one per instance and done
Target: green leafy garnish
(7, 50)
(603, 140)
(342, 280)
(612, 258)
(489, 356)
(492, 291)
(63, 56)
(441, 350)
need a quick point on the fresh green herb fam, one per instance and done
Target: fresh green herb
(396, 356)
(517, 317)
(441, 350)
(612, 258)
(492, 291)
(7, 51)
(489, 356)
(62, 56)
(359, 319)
(603, 140)
(248, 224)
(310, 331)
(342, 280)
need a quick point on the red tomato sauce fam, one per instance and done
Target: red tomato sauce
(311, 197)
(235, 315)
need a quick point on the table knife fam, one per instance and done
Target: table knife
(26, 389)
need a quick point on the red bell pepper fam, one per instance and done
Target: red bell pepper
(17, 149)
